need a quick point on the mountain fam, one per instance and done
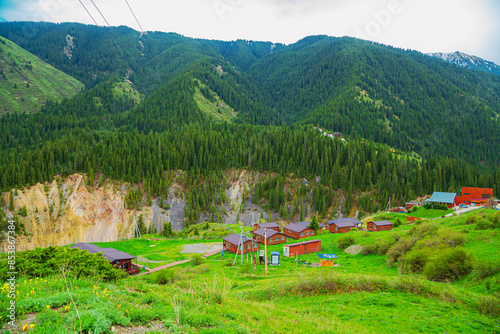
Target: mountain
(26, 82)
(468, 61)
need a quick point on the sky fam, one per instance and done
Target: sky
(470, 26)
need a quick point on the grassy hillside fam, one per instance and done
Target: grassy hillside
(363, 295)
(26, 82)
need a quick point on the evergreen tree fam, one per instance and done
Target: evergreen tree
(314, 224)
(11, 201)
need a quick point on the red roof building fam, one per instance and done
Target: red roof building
(300, 248)
(474, 196)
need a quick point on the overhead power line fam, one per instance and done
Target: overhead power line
(15, 69)
(119, 40)
(102, 32)
(142, 30)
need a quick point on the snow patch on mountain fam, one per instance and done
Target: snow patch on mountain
(468, 61)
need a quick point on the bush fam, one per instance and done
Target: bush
(196, 260)
(484, 269)
(383, 246)
(163, 277)
(369, 249)
(345, 241)
(482, 224)
(397, 222)
(414, 261)
(449, 265)
(413, 209)
(470, 220)
(402, 247)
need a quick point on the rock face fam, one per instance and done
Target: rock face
(68, 210)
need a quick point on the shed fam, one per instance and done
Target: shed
(343, 225)
(119, 259)
(303, 247)
(410, 205)
(299, 230)
(377, 226)
(328, 260)
(232, 241)
(273, 237)
(443, 198)
(269, 226)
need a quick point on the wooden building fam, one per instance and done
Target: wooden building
(343, 225)
(474, 196)
(269, 226)
(303, 247)
(447, 199)
(383, 225)
(231, 244)
(410, 205)
(118, 259)
(273, 237)
(300, 230)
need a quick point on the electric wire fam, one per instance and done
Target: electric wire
(142, 30)
(119, 40)
(102, 32)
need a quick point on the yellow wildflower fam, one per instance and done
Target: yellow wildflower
(24, 327)
(66, 308)
(48, 306)
(32, 325)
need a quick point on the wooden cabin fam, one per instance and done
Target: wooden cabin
(303, 247)
(232, 241)
(118, 259)
(273, 237)
(383, 225)
(269, 226)
(343, 225)
(300, 230)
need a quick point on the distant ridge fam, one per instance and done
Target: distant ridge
(470, 62)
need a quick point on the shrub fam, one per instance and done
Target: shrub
(383, 246)
(345, 241)
(196, 260)
(484, 269)
(470, 220)
(414, 261)
(413, 209)
(369, 249)
(482, 224)
(163, 277)
(449, 265)
(397, 222)
(402, 247)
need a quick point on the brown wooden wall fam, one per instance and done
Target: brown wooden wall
(300, 235)
(274, 242)
(340, 230)
(121, 264)
(233, 248)
(305, 249)
(371, 227)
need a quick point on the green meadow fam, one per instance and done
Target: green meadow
(363, 295)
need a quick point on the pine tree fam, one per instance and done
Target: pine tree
(314, 223)
(11, 201)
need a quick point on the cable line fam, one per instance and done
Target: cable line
(119, 40)
(102, 32)
(142, 30)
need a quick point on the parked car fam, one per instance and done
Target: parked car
(462, 205)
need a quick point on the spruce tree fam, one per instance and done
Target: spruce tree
(11, 201)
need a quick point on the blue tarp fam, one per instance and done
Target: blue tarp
(438, 197)
(328, 256)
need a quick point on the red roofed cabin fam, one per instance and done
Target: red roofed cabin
(343, 225)
(303, 247)
(300, 230)
(269, 226)
(118, 259)
(474, 196)
(231, 244)
(383, 225)
(273, 237)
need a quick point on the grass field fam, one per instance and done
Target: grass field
(45, 82)
(363, 295)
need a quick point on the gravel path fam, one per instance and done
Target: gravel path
(201, 248)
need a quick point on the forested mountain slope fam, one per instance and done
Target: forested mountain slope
(26, 82)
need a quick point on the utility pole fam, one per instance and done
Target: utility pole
(265, 248)
(242, 244)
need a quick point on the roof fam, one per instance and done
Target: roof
(328, 256)
(275, 253)
(110, 254)
(382, 223)
(235, 239)
(345, 222)
(302, 243)
(268, 225)
(299, 227)
(269, 233)
(438, 197)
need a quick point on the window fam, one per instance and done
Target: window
(466, 194)
(248, 246)
(336, 228)
(119, 266)
(302, 234)
(282, 238)
(312, 233)
(374, 227)
(307, 233)
(126, 266)
(486, 196)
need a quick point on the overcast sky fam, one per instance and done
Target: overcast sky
(470, 26)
